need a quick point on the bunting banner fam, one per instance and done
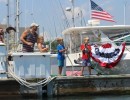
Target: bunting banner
(107, 55)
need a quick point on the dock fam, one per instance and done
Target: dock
(70, 85)
(86, 85)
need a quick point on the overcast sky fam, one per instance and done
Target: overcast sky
(50, 15)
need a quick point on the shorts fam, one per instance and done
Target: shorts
(60, 63)
(86, 62)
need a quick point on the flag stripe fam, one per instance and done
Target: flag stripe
(101, 18)
(99, 13)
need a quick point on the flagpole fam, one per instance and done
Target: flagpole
(90, 9)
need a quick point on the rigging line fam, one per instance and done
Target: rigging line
(50, 23)
(45, 34)
(61, 23)
(55, 27)
(54, 20)
(49, 28)
(84, 21)
(66, 20)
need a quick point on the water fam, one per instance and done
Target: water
(100, 97)
(110, 97)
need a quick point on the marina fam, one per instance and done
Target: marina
(40, 77)
(28, 72)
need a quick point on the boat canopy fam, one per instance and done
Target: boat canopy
(106, 29)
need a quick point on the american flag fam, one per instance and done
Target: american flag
(99, 13)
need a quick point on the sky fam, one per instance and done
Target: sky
(51, 15)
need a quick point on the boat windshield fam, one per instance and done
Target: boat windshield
(73, 41)
(124, 37)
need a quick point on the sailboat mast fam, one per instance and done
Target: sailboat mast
(90, 9)
(73, 16)
(7, 13)
(7, 35)
(17, 21)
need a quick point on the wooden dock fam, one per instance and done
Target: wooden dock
(103, 84)
(72, 85)
(11, 88)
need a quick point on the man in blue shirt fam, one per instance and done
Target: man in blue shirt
(60, 56)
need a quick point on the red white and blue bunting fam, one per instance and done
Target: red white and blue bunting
(107, 55)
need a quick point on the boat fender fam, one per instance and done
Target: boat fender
(21, 56)
(43, 55)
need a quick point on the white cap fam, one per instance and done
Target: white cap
(34, 24)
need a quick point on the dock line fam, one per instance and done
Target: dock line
(23, 81)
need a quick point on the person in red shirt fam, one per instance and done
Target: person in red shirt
(86, 48)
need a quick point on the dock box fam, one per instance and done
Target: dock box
(3, 62)
(32, 65)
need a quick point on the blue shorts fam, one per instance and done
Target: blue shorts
(61, 63)
(86, 62)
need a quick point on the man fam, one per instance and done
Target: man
(29, 38)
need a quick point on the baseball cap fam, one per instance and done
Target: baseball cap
(34, 24)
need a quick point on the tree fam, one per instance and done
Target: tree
(53, 46)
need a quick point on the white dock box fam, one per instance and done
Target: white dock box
(32, 65)
(3, 62)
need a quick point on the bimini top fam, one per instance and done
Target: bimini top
(105, 29)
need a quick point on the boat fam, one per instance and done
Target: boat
(98, 35)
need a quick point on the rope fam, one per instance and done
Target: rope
(127, 49)
(27, 84)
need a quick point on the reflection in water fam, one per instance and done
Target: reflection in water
(123, 97)
(106, 97)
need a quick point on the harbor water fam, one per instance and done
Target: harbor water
(92, 97)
